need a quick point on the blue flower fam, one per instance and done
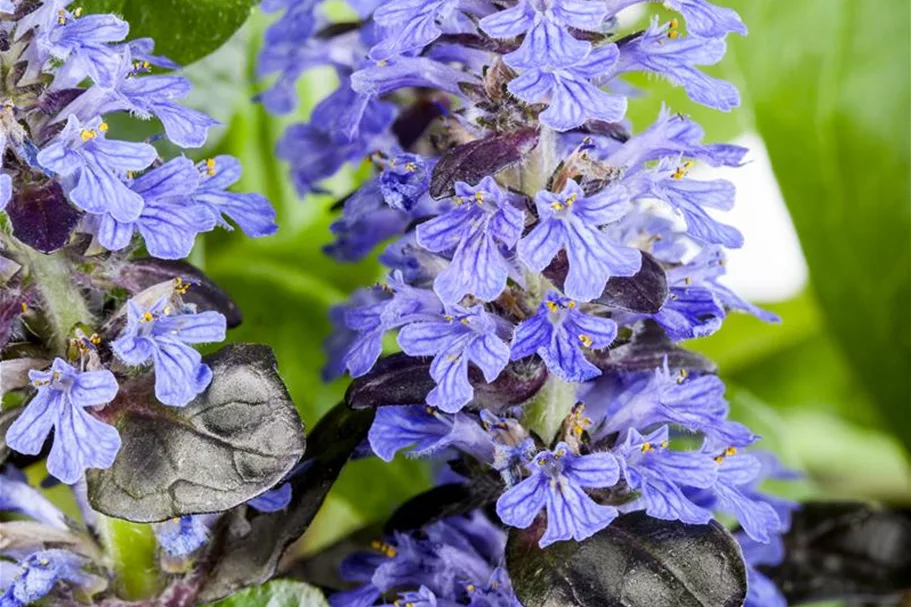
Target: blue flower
(675, 59)
(97, 166)
(405, 180)
(16, 495)
(690, 198)
(251, 212)
(162, 334)
(571, 221)
(734, 492)
(559, 333)
(409, 25)
(703, 19)
(316, 149)
(460, 337)
(481, 218)
(673, 135)
(557, 482)
(81, 44)
(6, 182)
(546, 27)
(428, 432)
(659, 475)
(80, 440)
(762, 591)
(147, 96)
(695, 403)
(571, 97)
(39, 572)
(272, 500)
(399, 305)
(170, 221)
(185, 534)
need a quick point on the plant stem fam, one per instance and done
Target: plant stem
(549, 407)
(131, 550)
(62, 301)
(555, 400)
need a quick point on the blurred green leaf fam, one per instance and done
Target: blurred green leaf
(184, 30)
(828, 82)
(277, 593)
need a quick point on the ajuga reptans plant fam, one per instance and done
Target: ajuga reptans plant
(545, 258)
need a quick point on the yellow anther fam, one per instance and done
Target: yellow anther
(664, 444)
(681, 171)
(730, 451)
(210, 167)
(571, 200)
(180, 286)
(672, 32)
(479, 197)
(556, 206)
(571, 305)
(448, 318)
(560, 453)
(646, 447)
(147, 317)
(61, 20)
(55, 375)
(464, 321)
(552, 306)
(457, 200)
(24, 307)
(682, 376)
(88, 134)
(44, 562)
(383, 548)
(146, 65)
(78, 12)
(411, 167)
(470, 588)
(382, 63)
(687, 281)
(586, 340)
(719, 459)
(103, 127)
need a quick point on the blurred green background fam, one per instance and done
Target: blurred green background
(825, 87)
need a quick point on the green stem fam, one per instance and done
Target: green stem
(549, 408)
(63, 304)
(555, 400)
(131, 549)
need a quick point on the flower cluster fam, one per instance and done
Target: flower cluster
(457, 561)
(527, 228)
(84, 202)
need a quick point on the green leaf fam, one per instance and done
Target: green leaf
(277, 593)
(183, 30)
(828, 82)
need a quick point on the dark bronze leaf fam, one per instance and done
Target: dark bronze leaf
(643, 293)
(41, 216)
(845, 552)
(444, 501)
(143, 273)
(471, 162)
(253, 558)
(637, 561)
(647, 351)
(400, 379)
(233, 442)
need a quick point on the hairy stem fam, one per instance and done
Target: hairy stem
(63, 304)
(555, 400)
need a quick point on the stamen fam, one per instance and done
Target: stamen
(586, 340)
(210, 167)
(646, 447)
(147, 317)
